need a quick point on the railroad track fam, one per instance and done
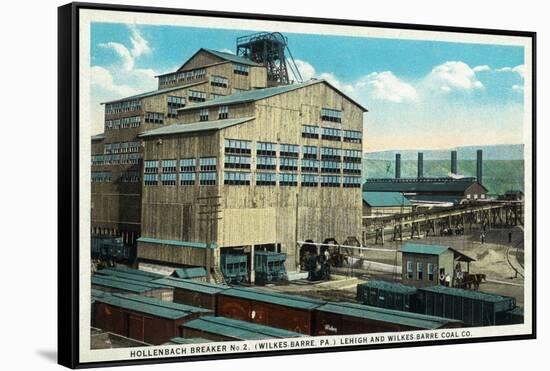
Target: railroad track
(515, 247)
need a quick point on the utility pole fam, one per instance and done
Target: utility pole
(209, 212)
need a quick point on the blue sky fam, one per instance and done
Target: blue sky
(420, 94)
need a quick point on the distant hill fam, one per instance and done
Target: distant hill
(490, 152)
(499, 176)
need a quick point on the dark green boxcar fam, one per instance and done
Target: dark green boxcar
(389, 295)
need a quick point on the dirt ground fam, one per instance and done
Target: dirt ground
(496, 258)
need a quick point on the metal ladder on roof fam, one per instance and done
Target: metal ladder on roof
(217, 276)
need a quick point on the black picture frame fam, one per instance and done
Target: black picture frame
(69, 182)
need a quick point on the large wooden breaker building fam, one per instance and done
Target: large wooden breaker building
(117, 153)
(276, 165)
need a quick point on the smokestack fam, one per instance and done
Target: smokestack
(454, 163)
(420, 165)
(479, 172)
(397, 165)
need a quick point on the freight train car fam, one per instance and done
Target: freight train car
(144, 319)
(390, 295)
(195, 293)
(289, 312)
(108, 248)
(269, 266)
(227, 329)
(352, 318)
(113, 284)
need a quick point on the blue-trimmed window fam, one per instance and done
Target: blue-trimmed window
(352, 155)
(196, 96)
(309, 180)
(237, 146)
(119, 107)
(219, 81)
(328, 153)
(237, 162)
(151, 166)
(286, 163)
(352, 182)
(332, 115)
(310, 152)
(154, 117)
(188, 165)
(207, 178)
(289, 150)
(203, 114)
(187, 178)
(330, 166)
(207, 164)
(353, 136)
(168, 178)
(101, 176)
(266, 163)
(351, 167)
(223, 112)
(310, 165)
(266, 149)
(236, 178)
(266, 179)
(134, 158)
(174, 103)
(310, 131)
(330, 181)
(331, 134)
(288, 179)
(169, 166)
(151, 179)
(241, 69)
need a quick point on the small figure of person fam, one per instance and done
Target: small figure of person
(510, 237)
(482, 238)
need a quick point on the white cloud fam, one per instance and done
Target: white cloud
(453, 75)
(103, 79)
(481, 68)
(229, 51)
(386, 86)
(520, 70)
(140, 46)
(306, 69)
(126, 58)
(517, 88)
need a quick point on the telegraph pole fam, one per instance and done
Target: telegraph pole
(209, 210)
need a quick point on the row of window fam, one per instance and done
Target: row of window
(196, 96)
(241, 69)
(118, 159)
(101, 176)
(126, 106)
(262, 179)
(121, 147)
(219, 81)
(154, 117)
(351, 136)
(182, 76)
(332, 115)
(420, 271)
(123, 123)
(206, 164)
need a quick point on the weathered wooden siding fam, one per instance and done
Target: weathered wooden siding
(202, 58)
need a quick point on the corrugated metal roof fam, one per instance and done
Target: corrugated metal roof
(152, 93)
(417, 248)
(99, 136)
(198, 245)
(292, 301)
(204, 287)
(190, 272)
(166, 304)
(128, 274)
(387, 315)
(470, 294)
(411, 185)
(156, 307)
(385, 199)
(390, 286)
(195, 127)
(107, 281)
(122, 268)
(180, 340)
(232, 57)
(237, 329)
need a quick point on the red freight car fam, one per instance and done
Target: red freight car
(289, 312)
(191, 292)
(351, 318)
(141, 318)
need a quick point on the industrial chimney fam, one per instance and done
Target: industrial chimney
(397, 165)
(479, 167)
(420, 165)
(454, 163)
